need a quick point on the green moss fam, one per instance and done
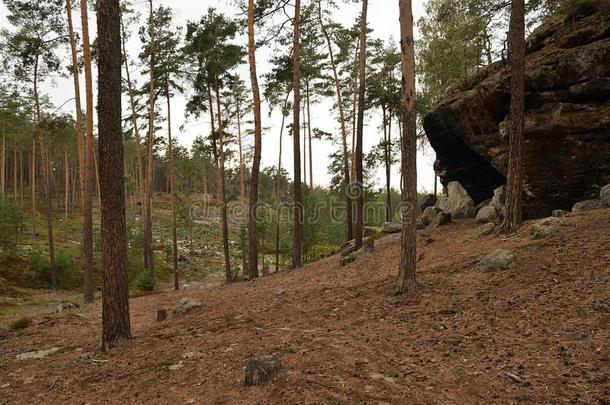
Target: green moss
(20, 323)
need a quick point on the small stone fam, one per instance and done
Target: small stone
(191, 355)
(176, 366)
(345, 260)
(64, 305)
(560, 213)
(498, 260)
(185, 305)
(260, 369)
(278, 291)
(39, 354)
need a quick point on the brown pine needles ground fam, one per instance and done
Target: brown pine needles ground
(539, 333)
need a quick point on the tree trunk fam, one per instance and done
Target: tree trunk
(77, 101)
(46, 166)
(242, 168)
(346, 169)
(297, 253)
(514, 186)
(256, 98)
(89, 160)
(172, 191)
(360, 128)
(278, 188)
(66, 191)
(3, 159)
(148, 235)
(355, 110)
(388, 162)
(15, 169)
(309, 136)
(223, 193)
(406, 273)
(115, 292)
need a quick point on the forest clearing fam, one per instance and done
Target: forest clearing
(305, 201)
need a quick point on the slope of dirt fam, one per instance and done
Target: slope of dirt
(538, 333)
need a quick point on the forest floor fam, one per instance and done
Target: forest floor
(536, 333)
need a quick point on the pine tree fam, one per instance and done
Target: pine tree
(408, 259)
(514, 186)
(297, 243)
(115, 293)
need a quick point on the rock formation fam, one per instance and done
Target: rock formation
(567, 144)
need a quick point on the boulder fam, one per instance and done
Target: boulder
(185, 305)
(481, 231)
(261, 369)
(457, 202)
(498, 201)
(587, 205)
(429, 214)
(391, 227)
(545, 228)
(567, 123)
(487, 214)
(368, 245)
(498, 260)
(442, 218)
(604, 196)
(426, 201)
(419, 223)
(348, 247)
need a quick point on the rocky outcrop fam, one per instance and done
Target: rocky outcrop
(457, 202)
(567, 145)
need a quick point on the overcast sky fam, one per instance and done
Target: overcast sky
(383, 20)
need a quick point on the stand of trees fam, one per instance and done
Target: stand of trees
(48, 158)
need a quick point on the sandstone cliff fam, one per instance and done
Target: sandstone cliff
(567, 146)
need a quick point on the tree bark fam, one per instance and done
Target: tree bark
(256, 98)
(66, 191)
(3, 159)
(387, 129)
(297, 253)
(346, 169)
(115, 292)
(89, 160)
(77, 101)
(360, 128)
(172, 191)
(222, 183)
(514, 186)
(406, 273)
(309, 137)
(278, 188)
(148, 235)
(242, 168)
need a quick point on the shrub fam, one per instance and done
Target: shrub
(20, 323)
(11, 225)
(144, 281)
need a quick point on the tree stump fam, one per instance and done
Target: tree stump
(261, 369)
(161, 314)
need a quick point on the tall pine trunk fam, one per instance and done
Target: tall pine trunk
(89, 160)
(222, 185)
(172, 183)
(115, 292)
(66, 191)
(309, 137)
(297, 252)
(278, 187)
(256, 98)
(514, 186)
(405, 280)
(148, 235)
(77, 101)
(346, 170)
(360, 127)
(3, 162)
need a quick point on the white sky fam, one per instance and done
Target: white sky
(383, 19)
